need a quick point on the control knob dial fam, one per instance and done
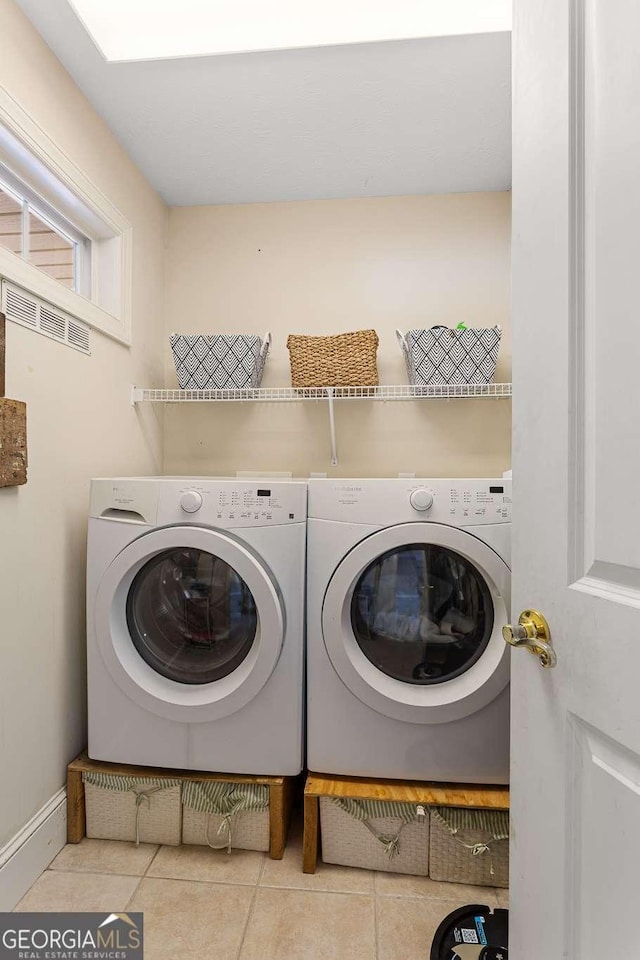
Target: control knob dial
(191, 501)
(421, 499)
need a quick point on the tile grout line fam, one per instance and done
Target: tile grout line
(338, 893)
(251, 906)
(422, 897)
(153, 859)
(376, 922)
(266, 886)
(208, 883)
(135, 890)
(142, 877)
(93, 873)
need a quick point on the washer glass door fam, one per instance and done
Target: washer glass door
(191, 616)
(412, 618)
(189, 622)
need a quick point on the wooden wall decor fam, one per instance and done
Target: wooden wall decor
(2, 353)
(13, 429)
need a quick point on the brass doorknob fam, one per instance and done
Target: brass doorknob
(532, 632)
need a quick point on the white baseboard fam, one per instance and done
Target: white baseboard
(30, 852)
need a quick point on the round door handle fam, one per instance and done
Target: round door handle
(532, 632)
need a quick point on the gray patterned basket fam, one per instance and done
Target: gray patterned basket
(470, 846)
(441, 355)
(375, 835)
(226, 815)
(133, 808)
(219, 362)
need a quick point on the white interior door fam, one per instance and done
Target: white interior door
(576, 552)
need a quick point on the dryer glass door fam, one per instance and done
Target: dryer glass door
(191, 616)
(422, 613)
(411, 622)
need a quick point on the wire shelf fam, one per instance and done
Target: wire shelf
(404, 391)
(447, 391)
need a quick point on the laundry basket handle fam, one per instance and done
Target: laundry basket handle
(266, 343)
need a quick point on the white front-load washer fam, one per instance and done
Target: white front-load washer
(408, 587)
(195, 623)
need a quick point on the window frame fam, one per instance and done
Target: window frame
(31, 203)
(62, 192)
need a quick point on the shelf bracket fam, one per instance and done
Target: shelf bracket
(137, 394)
(332, 427)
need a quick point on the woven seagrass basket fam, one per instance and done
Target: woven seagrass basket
(343, 360)
(349, 842)
(249, 829)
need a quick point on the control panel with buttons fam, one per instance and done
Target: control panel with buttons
(459, 502)
(236, 504)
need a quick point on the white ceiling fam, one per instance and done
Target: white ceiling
(374, 119)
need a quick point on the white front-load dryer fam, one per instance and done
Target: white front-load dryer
(195, 623)
(408, 587)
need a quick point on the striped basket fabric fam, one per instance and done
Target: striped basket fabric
(145, 810)
(375, 835)
(226, 815)
(470, 846)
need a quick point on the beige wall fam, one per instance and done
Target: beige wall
(80, 425)
(328, 266)
(317, 267)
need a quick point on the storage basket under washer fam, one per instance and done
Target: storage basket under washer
(470, 846)
(440, 355)
(375, 834)
(226, 815)
(145, 810)
(219, 362)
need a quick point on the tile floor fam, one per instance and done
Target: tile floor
(200, 903)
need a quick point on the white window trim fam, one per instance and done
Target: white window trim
(112, 255)
(25, 195)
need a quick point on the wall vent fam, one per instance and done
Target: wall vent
(29, 311)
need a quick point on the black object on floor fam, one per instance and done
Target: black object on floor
(472, 933)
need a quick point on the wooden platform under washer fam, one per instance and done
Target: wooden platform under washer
(406, 791)
(281, 790)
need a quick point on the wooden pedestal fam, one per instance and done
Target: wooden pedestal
(280, 795)
(407, 791)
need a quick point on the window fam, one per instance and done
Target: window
(61, 240)
(10, 222)
(53, 251)
(30, 228)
